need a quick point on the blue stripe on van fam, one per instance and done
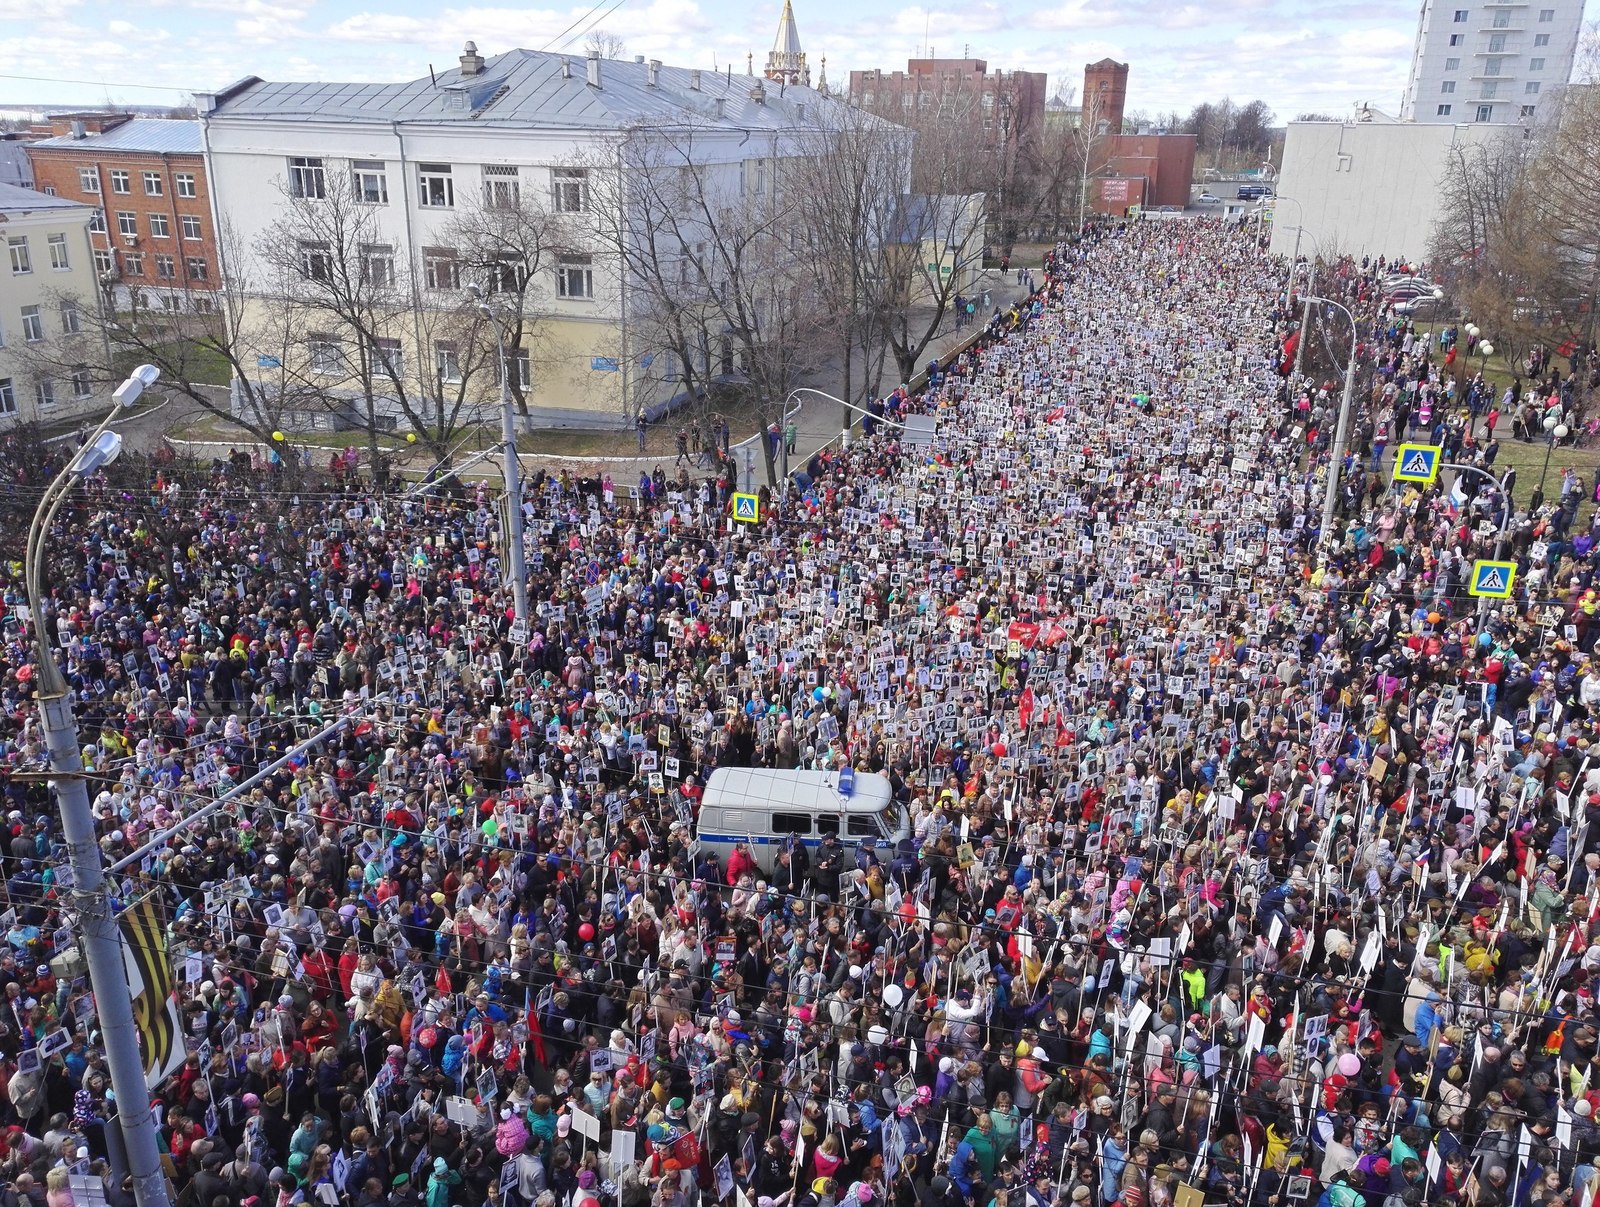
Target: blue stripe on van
(759, 839)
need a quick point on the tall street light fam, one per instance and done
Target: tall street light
(1341, 430)
(1555, 433)
(510, 466)
(102, 939)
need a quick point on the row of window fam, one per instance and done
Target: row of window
(33, 322)
(1502, 17)
(436, 184)
(21, 253)
(1485, 112)
(1491, 87)
(44, 390)
(386, 357)
(1539, 40)
(1492, 66)
(195, 268)
(183, 183)
(160, 226)
(441, 269)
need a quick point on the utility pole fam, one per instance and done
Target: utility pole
(101, 936)
(511, 469)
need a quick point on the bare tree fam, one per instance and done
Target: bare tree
(341, 271)
(505, 240)
(241, 364)
(606, 44)
(714, 260)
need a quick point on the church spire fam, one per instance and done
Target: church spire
(822, 76)
(786, 64)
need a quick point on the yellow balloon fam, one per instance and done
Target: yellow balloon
(411, 437)
(279, 437)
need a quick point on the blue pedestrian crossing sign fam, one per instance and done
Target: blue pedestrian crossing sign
(1417, 462)
(1492, 580)
(747, 508)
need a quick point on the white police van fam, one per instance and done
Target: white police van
(766, 807)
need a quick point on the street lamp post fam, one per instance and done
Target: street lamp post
(1556, 432)
(1342, 428)
(511, 468)
(102, 941)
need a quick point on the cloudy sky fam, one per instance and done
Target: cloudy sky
(1296, 57)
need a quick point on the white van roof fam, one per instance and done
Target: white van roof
(801, 789)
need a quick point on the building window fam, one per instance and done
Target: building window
(506, 276)
(195, 266)
(119, 181)
(316, 261)
(1485, 113)
(1444, 111)
(152, 184)
(97, 222)
(8, 397)
(44, 392)
(327, 354)
(1452, 64)
(371, 181)
(1456, 39)
(1447, 86)
(449, 364)
(1546, 15)
(104, 261)
(71, 320)
(571, 187)
(183, 184)
(32, 324)
(58, 252)
(190, 225)
(307, 178)
(133, 263)
(1490, 88)
(21, 260)
(436, 188)
(1502, 19)
(82, 383)
(575, 277)
(159, 229)
(1541, 39)
(377, 264)
(1532, 88)
(1527, 111)
(166, 266)
(1535, 64)
(127, 223)
(385, 359)
(501, 189)
(908, 100)
(89, 180)
(1497, 43)
(1461, 16)
(440, 268)
(521, 369)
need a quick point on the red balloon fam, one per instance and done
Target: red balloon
(585, 932)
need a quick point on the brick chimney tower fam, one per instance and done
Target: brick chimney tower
(1105, 94)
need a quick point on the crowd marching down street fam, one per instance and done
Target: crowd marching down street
(1242, 862)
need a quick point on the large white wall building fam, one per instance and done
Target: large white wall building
(1489, 60)
(1366, 188)
(517, 123)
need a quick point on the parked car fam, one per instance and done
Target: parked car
(1209, 198)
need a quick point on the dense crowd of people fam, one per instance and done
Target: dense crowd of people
(1244, 863)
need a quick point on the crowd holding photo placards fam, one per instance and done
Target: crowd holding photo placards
(1245, 863)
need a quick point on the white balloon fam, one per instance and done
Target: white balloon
(893, 995)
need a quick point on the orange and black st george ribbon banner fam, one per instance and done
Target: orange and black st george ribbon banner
(154, 990)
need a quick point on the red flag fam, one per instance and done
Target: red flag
(1025, 707)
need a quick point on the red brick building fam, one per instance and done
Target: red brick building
(153, 237)
(1148, 170)
(1004, 107)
